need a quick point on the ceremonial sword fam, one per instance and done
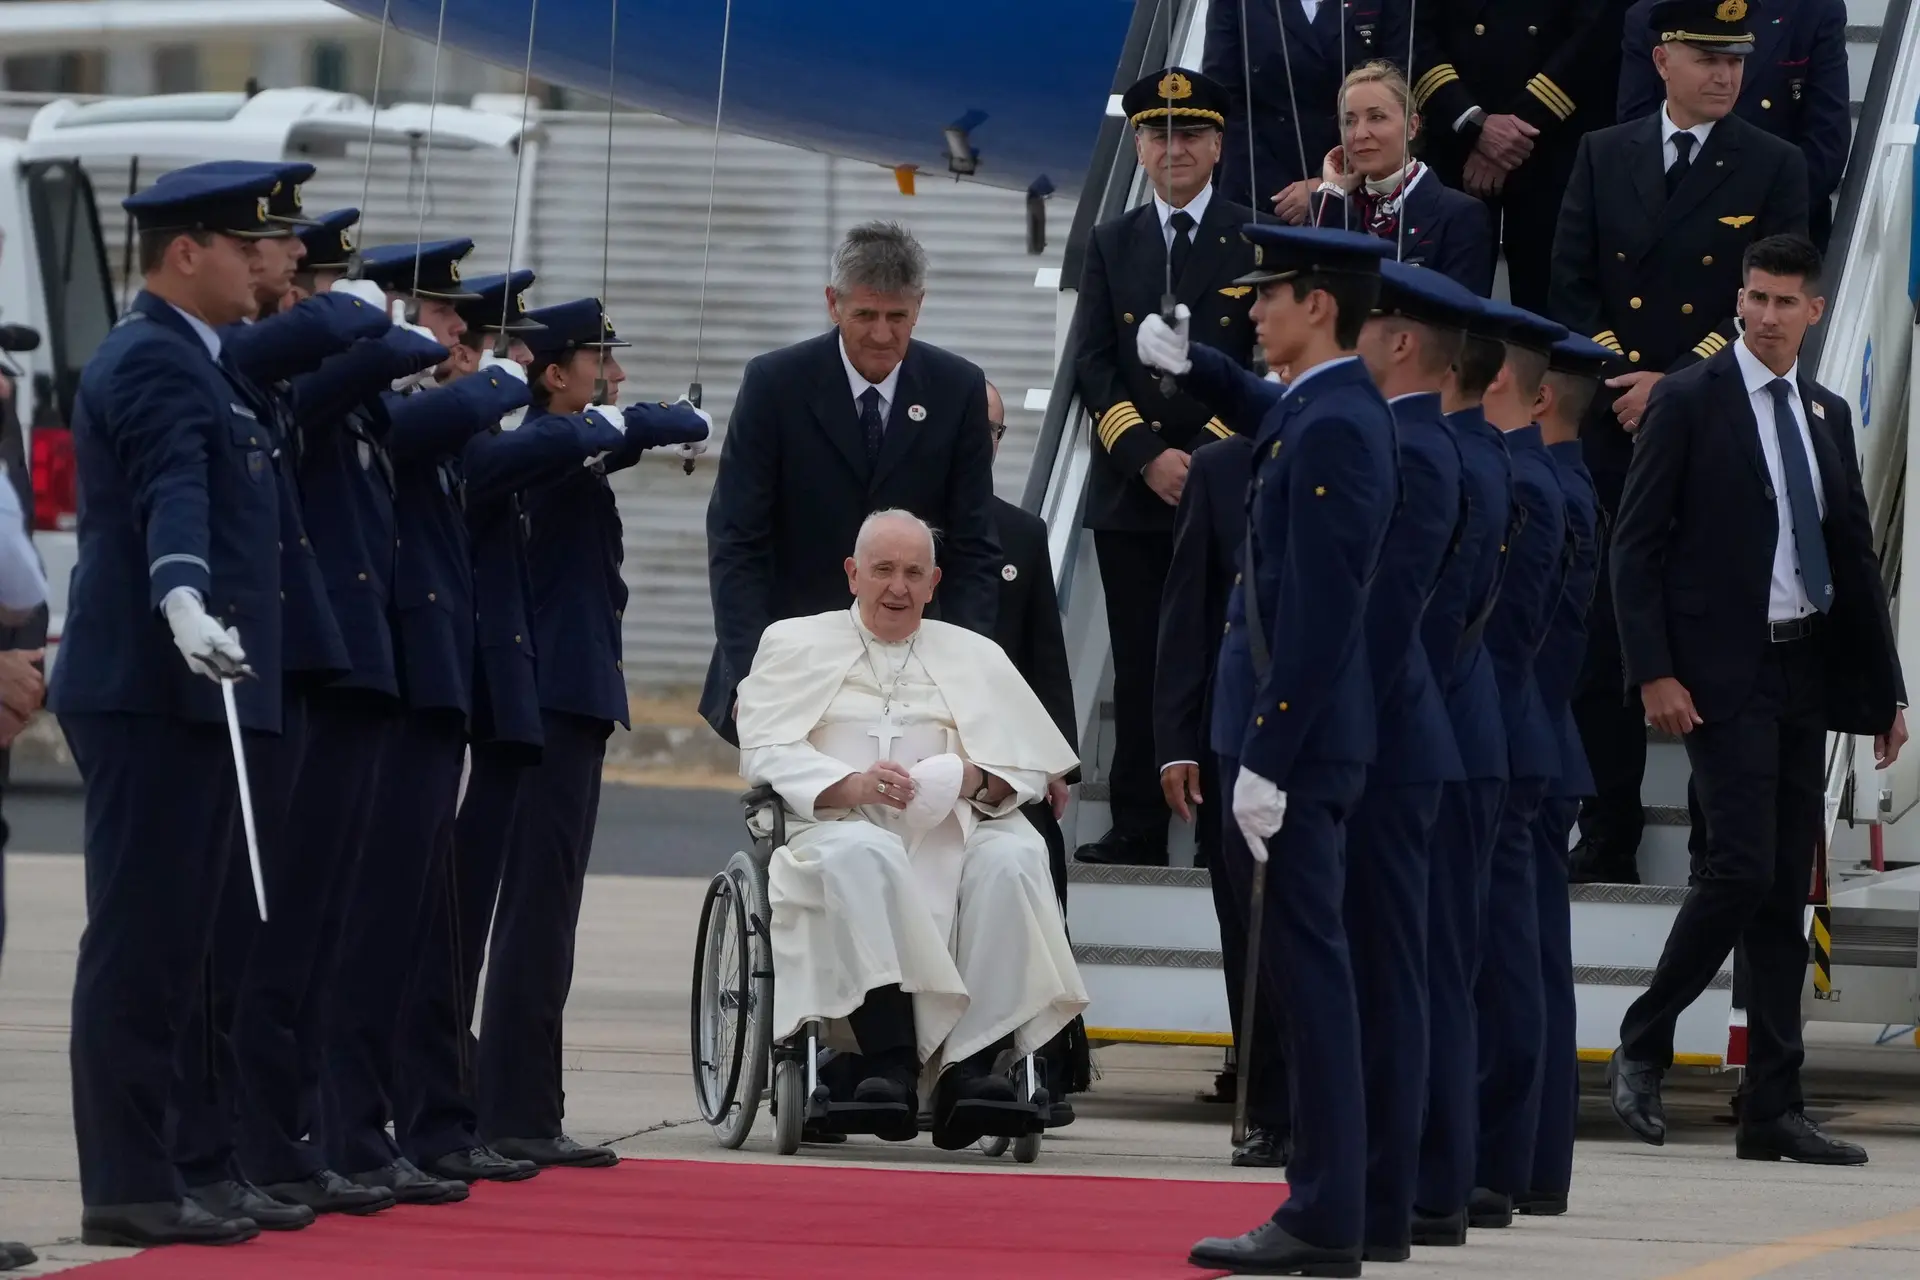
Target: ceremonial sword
(246, 789)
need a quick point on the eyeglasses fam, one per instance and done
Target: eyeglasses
(998, 428)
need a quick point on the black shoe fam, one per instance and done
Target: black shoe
(239, 1201)
(1541, 1204)
(895, 1087)
(1268, 1251)
(556, 1151)
(1226, 1088)
(1793, 1137)
(1114, 849)
(13, 1254)
(1593, 864)
(1439, 1229)
(1264, 1149)
(1634, 1089)
(1059, 1115)
(328, 1192)
(479, 1164)
(1489, 1208)
(410, 1185)
(1381, 1251)
(141, 1226)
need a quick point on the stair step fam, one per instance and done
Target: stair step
(1657, 815)
(1641, 895)
(1148, 877)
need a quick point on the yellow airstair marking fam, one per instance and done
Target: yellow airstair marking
(1766, 1258)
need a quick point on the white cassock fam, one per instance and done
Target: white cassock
(962, 915)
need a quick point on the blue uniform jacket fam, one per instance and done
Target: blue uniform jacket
(1529, 594)
(498, 468)
(433, 564)
(299, 339)
(1454, 628)
(1558, 667)
(176, 489)
(1318, 508)
(1416, 737)
(1446, 231)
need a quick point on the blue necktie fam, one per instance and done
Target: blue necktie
(871, 422)
(1808, 541)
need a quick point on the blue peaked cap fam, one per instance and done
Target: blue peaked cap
(572, 326)
(1421, 293)
(503, 294)
(1281, 252)
(283, 202)
(1582, 357)
(221, 196)
(329, 240)
(1507, 323)
(392, 267)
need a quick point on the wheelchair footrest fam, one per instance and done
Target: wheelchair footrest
(998, 1119)
(892, 1121)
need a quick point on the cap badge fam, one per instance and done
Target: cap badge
(262, 202)
(296, 197)
(1008, 572)
(453, 271)
(1259, 256)
(1174, 86)
(520, 301)
(917, 412)
(346, 240)
(1731, 10)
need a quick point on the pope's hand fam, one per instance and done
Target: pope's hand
(885, 783)
(210, 649)
(1163, 346)
(1259, 808)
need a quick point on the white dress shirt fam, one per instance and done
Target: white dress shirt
(1311, 8)
(1787, 597)
(1670, 153)
(206, 332)
(1196, 206)
(857, 382)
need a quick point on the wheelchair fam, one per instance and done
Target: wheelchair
(737, 1065)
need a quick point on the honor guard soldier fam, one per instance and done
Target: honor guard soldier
(1408, 346)
(575, 550)
(1575, 367)
(385, 926)
(1794, 86)
(1507, 88)
(1187, 241)
(179, 517)
(1508, 994)
(1294, 717)
(1461, 847)
(1647, 262)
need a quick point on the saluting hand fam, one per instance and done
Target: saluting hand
(1886, 746)
(1669, 706)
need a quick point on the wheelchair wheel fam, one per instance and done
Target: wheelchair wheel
(789, 1105)
(732, 1001)
(1026, 1148)
(993, 1148)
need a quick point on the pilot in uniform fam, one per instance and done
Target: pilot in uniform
(1294, 716)
(574, 553)
(179, 516)
(1794, 86)
(1144, 436)
(384, 931)
(1646, 260)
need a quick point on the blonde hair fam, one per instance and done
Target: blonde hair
(1388, 77)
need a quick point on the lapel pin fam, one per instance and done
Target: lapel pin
(1819, 410)
(1008, 572)
(917, 412)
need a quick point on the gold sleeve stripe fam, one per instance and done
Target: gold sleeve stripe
(1710, 345)
(1115, 421)
(1552, 95)
(1606, 339)
(1219, 428)
(1437, 75)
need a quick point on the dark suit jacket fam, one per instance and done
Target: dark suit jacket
(1693, 552)
(1207, 533)
(1653, 278)
(795, 484)
(1447, 231)
(1122, 284)
(1028, 624)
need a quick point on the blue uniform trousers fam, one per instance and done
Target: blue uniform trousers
(383, 936)
(1457, 871)
(530, 966)
(161, 805)
(1559, 1058)
(1512, 1006)
(1266, 1059)
(1386, 913)
(437, 1112)
(277, 1025)
(1304, 946)
(210, 1097)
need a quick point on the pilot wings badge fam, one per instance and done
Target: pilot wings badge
(1236, 291)
(1738, 219)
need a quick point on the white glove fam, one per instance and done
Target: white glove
(1259, 807)
(210, 649)
(610, 416)
(412, 380)
(694, 448)
(1162, 346)
(511, 368)
(365, 290)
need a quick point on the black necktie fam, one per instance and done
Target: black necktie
(1683, 152)
(1809, 542)
(1182, 223)
(871, 422)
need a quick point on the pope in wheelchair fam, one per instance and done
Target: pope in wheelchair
(913, 920)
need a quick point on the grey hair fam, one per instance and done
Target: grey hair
(887, 516)
(883, 257)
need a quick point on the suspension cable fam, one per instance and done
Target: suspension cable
(1293, 102)
(1246, 80)
(600, 388)
(1168, 302)
(713, 174)
(426, 165)
(501, 343)
(1406, 146)
(354, 264)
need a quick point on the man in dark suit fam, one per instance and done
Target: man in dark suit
(827, 431)
(1646, 260)
(1185, 241)
(1754, 622)
(1794, 86)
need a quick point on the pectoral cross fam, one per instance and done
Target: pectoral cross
(886, 733)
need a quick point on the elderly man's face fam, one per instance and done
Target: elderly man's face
(876, 328)
(893, 577)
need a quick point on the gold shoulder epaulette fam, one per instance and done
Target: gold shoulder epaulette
(1710, 345)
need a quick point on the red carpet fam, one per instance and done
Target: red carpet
(713, 1221)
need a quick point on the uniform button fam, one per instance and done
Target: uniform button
(1127, 316)
(303, 542)
(1707, 261)
(1619, 257)
(1634, 303)
(362, 577)
(1686, 308)
(1225, 321)
(1236, 579)
(619, 665)
(1259, 720)
(1227, 630)
(283, 595)
(516, 639)
(253, 439)
(432, 596)
(1533, 31)
(1766, 104)
(1156, 425)
(619, 613)
(396, 542)
(279, 546)
(1283, 706)
(1479, 28)
(1634, 356)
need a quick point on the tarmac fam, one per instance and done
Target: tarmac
(1688, 1211)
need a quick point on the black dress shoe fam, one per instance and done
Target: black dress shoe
(1489, 1208)
(1117, 850)
(480, 1164)
(1593, 864)
(1263, 1149)
(889, 1088)
(328, 1192)
(1268, 1251)
(238, 1201)
(1439, 1229)
(1793, 1137)
(14, 1254)
(410, 1185)
(141, 1226)
(1634, 1089)
(556, 1151)
(1384, 1251)
(1541, 1204)
(1059, 1114)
